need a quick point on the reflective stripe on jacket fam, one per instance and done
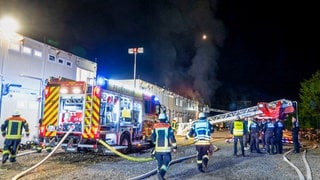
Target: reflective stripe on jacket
(201, 130)
(163, 137)
(12, 127)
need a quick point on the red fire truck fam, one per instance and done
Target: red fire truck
(119, 116)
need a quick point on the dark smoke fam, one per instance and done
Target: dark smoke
(188, 62)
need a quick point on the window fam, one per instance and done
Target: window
(26, 50)
(37, 53)
(177, 102)
(14, 46)
(61, 61)
(52, 58)
(69, 64)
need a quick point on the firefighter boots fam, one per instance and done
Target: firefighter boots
(5, 157)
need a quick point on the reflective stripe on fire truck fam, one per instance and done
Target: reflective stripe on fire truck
(51, 110)
(91, 120)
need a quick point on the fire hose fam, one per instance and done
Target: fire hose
(154, 171)
(39, 163)
(130, 158)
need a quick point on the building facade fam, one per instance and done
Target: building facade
(179, 107)
(25, 66)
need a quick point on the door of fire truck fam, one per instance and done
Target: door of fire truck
(71, 112)
(120, 120)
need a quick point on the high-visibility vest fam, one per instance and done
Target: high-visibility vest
(174, 125)
(238, 128)
(12, 127)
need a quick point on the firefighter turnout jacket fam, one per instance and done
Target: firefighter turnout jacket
(201, 129)
(163, 137)
(12, 127)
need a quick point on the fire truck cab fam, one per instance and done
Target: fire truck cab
(120, 117)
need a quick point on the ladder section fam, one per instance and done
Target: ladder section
(247, 112)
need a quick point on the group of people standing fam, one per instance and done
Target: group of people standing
(270, 132)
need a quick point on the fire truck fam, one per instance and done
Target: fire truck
(121, 117)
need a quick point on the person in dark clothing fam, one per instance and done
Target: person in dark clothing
(262, 130)
(254, 130)
(278, 134)
(165, 142)
(237, 129)
(269, 136)
(12, 131)
(201, 130)
(295, 134)
(246, 135)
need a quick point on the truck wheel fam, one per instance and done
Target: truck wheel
(125, 141)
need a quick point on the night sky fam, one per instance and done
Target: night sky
(254, 51)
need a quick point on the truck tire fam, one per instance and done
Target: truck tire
(125, 141)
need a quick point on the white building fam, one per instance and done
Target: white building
(25, 65)
(178, 106)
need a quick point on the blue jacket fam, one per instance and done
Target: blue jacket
(201, 130)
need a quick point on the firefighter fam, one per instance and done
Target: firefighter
(262, 130)
(201, 130)
(254, 130)
(237, 129)
(269, 136)
(278, 134)
(164, 140)
(295, 135)
(12, 131)
(174, 125)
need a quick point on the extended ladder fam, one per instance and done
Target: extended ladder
(247, 112)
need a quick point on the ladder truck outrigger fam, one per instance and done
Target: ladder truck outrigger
(121, 117)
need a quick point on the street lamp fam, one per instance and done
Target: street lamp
(135, 51)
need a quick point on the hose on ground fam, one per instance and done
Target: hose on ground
(39, 163)
(154, 171)
(130, 158)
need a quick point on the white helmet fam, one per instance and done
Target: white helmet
(202, 115)
(16, 113)
(162, 116)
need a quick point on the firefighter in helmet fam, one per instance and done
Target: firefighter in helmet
(201, 130)
(12, 131)
(164, 140)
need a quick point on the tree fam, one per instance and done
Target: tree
(309, 106)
